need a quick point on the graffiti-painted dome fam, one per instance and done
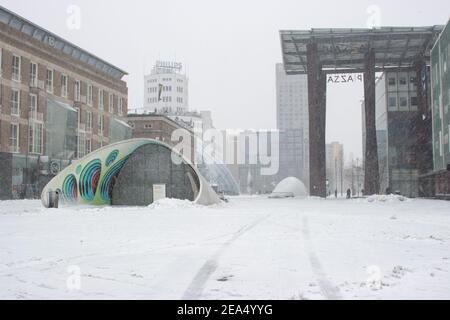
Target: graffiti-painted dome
(134, 172)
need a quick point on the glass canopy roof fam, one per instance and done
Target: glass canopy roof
(343, 50)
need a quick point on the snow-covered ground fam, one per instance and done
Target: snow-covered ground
(250, 248)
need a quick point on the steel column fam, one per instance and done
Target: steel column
(424, 145)
(372, 174)
(317, 122)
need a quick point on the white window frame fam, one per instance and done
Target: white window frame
(81, 144)
(16, 70)
(50, 81)
(90, 92)
(101, 97)
(88, 145)
(34, 76)
(100, 124)
(77, 91)
(16, 107)
(64, 86)
(120, 106)
(89, 121)
(36, 136)
(35, 128)
(111, 103)
(14, 148)
(33, 107)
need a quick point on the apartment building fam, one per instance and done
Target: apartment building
(58, 103)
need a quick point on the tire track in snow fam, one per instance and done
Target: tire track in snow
(330, 291)
(197, 285)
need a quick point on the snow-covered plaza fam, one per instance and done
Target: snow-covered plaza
(249, 248)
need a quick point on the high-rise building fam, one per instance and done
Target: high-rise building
(335, 168)
(58, 103)
(166, 89)
(293, 124)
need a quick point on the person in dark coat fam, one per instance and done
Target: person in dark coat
(349, 193)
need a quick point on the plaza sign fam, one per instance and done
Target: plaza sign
(345, 78)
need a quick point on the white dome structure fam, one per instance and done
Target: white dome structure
(290, 188)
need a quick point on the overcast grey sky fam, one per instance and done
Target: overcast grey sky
(230, 47)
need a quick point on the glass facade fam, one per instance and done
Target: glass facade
(397, 119)
(61, 130)
(440, 74)
(54, 142)
(119, 131)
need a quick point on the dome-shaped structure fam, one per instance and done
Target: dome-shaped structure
(133, 172)
(290, 188)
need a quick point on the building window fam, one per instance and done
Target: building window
(120, 111)
(148, 126)
(89, 95)
(393, 102)
(77, 90)
(392, 82)
(403, 102)
(88, 146)
(81, 144)
(33, 106)
(15, 102)
(100, 124)
(111, 103)
(14, 138)
(101, 99)
(89, 121)
(64, 86)
(414, 101)
(35, 128)
(16, 68)
(403, 81)
(33, 74)
(49, 81)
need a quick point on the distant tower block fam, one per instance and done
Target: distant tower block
(166, 88)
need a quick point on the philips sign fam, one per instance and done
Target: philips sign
(169, 65)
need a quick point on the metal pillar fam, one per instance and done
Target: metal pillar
(424, 145)
(372, 174)
(317, 88)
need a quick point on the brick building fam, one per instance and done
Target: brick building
(159, 127)
(58, 103)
